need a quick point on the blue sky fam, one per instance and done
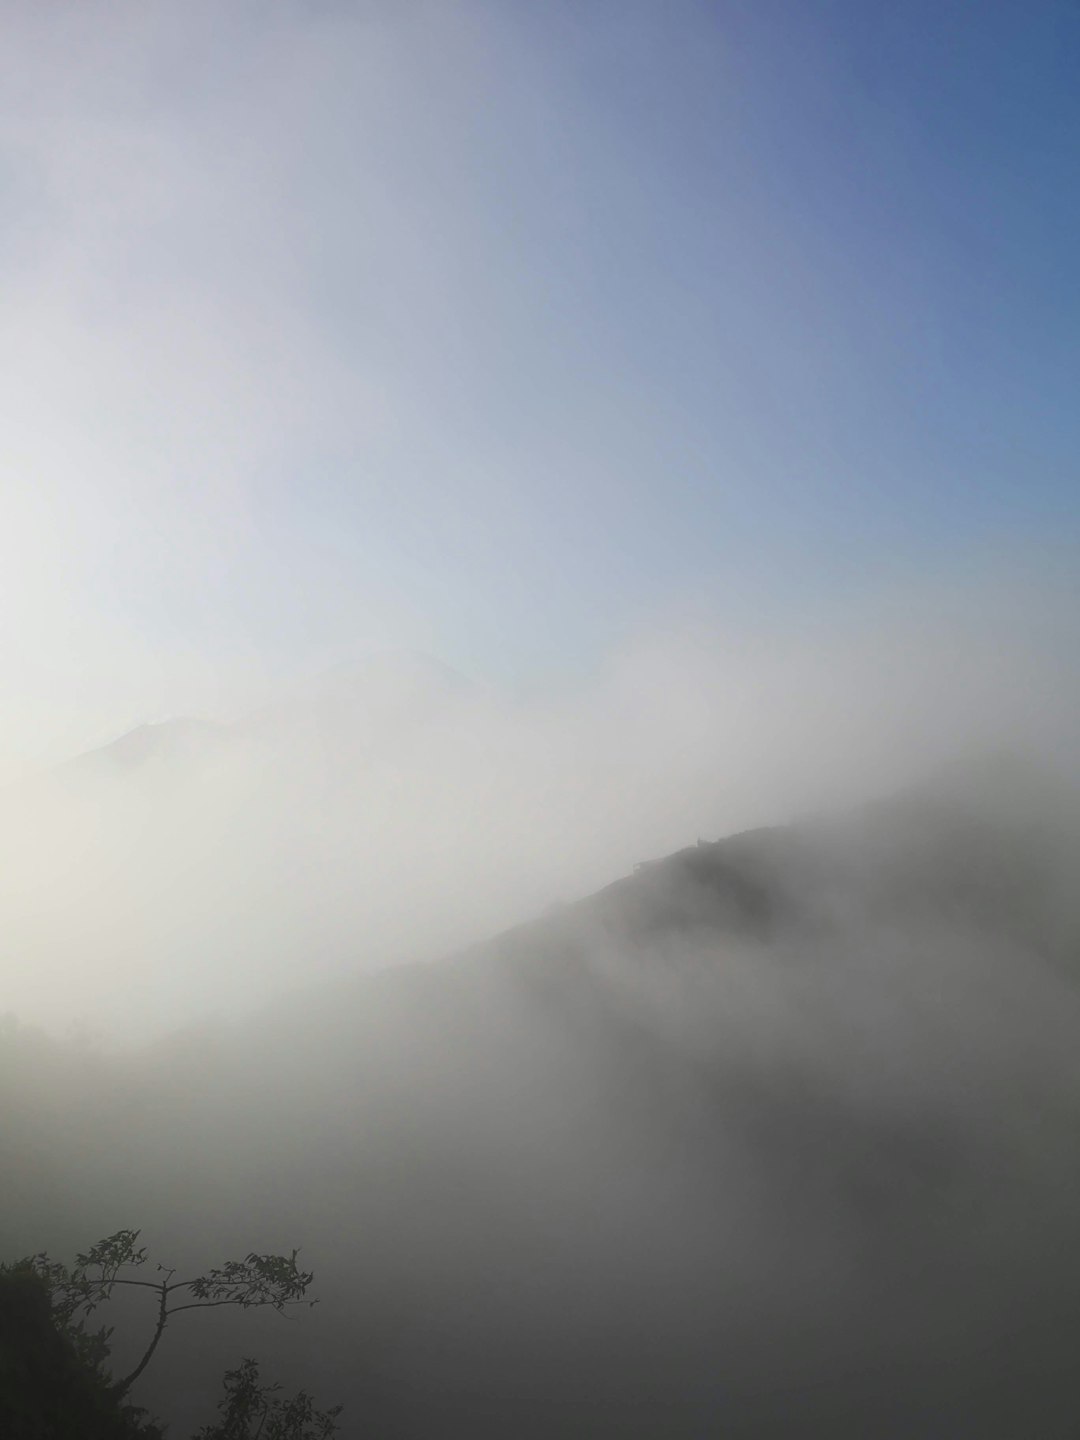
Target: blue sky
(503, 330)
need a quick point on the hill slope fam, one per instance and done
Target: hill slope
(777, 1136)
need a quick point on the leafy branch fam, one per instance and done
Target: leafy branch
(274, 1281)
(253, 1409)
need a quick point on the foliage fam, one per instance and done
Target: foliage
(60, 1356)
(252, 1409)
(257, 1280)
(52, 1388)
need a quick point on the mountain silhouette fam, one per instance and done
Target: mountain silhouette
(777, 1135)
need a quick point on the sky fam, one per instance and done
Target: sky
(505, 332)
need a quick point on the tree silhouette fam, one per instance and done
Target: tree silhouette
(256, 1281)
(52, 1388)
(250, 1408)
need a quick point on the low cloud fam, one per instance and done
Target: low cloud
(392, 811)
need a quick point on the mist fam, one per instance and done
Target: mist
(540, 705)
(392, 810)
(776, 1132)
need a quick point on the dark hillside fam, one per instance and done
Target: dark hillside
(777, 1136)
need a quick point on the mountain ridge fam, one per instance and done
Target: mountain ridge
(775, 1136)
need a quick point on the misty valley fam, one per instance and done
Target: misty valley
(777, 1135)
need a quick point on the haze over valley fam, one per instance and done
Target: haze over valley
(393, 810)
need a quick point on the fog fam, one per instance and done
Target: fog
(773, 1135)
(540, 704)
(393, 810)
(777, 1135)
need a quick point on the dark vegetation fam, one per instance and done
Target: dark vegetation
(778, 1136)
(55, 1380)
(51, 1388)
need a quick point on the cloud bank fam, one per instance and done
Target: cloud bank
(392, 810)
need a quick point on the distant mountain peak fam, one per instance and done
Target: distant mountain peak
(154, 740)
